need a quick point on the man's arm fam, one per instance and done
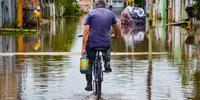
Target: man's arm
(85, 39)
(117, 32)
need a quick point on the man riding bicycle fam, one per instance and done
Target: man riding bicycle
(97, 34)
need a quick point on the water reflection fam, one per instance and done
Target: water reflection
(10, 79)
(149, 81)
(183, 55)
(45, 77)
(174, 76)
(55, 36)
(8, 44)
(26, 77)
(150, 71)
(60, 38)
(196, 86)
(136, 39)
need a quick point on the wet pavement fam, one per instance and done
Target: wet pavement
(171, 76)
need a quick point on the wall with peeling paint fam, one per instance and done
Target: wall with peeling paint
(176, 8)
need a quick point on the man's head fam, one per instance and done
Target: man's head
(100, 4)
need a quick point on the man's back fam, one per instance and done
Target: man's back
(100, 21)
(97, 35)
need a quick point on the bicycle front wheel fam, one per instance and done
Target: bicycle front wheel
(98, 82)
(99, 88)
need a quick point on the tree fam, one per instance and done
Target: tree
(197, 9)
(71, 7)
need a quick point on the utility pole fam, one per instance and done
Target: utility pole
(20, 14)
(150, 10)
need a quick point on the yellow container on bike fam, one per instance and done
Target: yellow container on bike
(84, 65)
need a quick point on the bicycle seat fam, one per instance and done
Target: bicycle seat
(100, 49)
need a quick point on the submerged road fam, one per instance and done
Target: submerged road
(51, 71)
(76, 53)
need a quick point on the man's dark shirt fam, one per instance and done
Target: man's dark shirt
(100, 21)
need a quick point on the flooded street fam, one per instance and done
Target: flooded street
(173, 74)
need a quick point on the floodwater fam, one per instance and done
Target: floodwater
(174, 74)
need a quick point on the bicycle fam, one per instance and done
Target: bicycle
(98, 73)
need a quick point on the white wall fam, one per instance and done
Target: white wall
(177, 6)
(1, 12)
(159, 7)
(9, 16)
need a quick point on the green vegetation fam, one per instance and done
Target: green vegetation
(17, 30)
(70, 6)
(65, 35)
(197, 9)
(14, 24)
(72, 9)
(139, 3)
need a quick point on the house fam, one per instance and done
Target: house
(28, 8)
(173, 10)
(47, 8)
(178, 11)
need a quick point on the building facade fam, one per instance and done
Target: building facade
(47, 8)
(7, 12)
(173, 10)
